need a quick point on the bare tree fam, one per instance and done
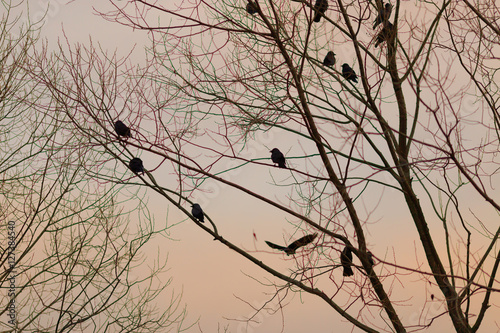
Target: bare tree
(410, 108)
(73, 257)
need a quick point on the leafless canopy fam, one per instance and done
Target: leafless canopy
(417, 136)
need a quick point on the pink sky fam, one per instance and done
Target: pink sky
(211, 277)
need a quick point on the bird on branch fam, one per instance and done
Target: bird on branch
(252, 8)
(385, 34)
(320, 8)
(329, 59)
(198, 212)
(122, 130)
(349, 74)
(278, 158)
(136, 165)
(383, 15)
(346, 261)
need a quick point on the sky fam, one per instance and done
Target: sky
(217, 284)
(210, 278)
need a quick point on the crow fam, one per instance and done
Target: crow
(290, 249)
(136, 165)
(251, 8)
(278, 158)
(348, 73)
(198, 212)
(383, 15)
(320, 8)
(329, 59)
(346, 261)
(122, 130)
(385, 34)
(370, 258)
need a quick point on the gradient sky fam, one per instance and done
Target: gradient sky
(212, 278)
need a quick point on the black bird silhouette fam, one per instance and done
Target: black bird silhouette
(320, 8)
(348, 73)
(329, 59)
(383, 15)
(122, 130)
(346, 261)
(198, 212)
(370, 258)
(290, 249)
(251, 8)
(385, 34)
(278, 158)
(136, 165)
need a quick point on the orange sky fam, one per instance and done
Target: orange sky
(212, 278)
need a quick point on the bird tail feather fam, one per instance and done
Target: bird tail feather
(348, 271)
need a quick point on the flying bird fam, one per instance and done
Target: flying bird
(383, 15)
(385, 34)
(251, 8)
(320, 8)
(122, 130)
(198, 212)
(136, 165)
(329, 59)
(278, 158)
(290, 249)
(346, 261)
(348, 73)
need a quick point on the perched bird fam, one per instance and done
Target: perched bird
(329, 59)
(370, 258)
(348, 73)
(136, 165)
(383, 15)
(278, 158)
(251, 8)
(290, 249)
(385, 34)
(346, 261)
(198, 212)
(320, 8)
(122, 130)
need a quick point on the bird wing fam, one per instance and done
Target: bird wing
(198, 212)
(302, 242)
(370, 258)
(122, 129)
(320, 7)
(346, 256)
(387, 11)
(276, 155)
(275, 246)
(136, 165)
(196, 209)
(251, 8)
(348, 271)
(346, 261)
